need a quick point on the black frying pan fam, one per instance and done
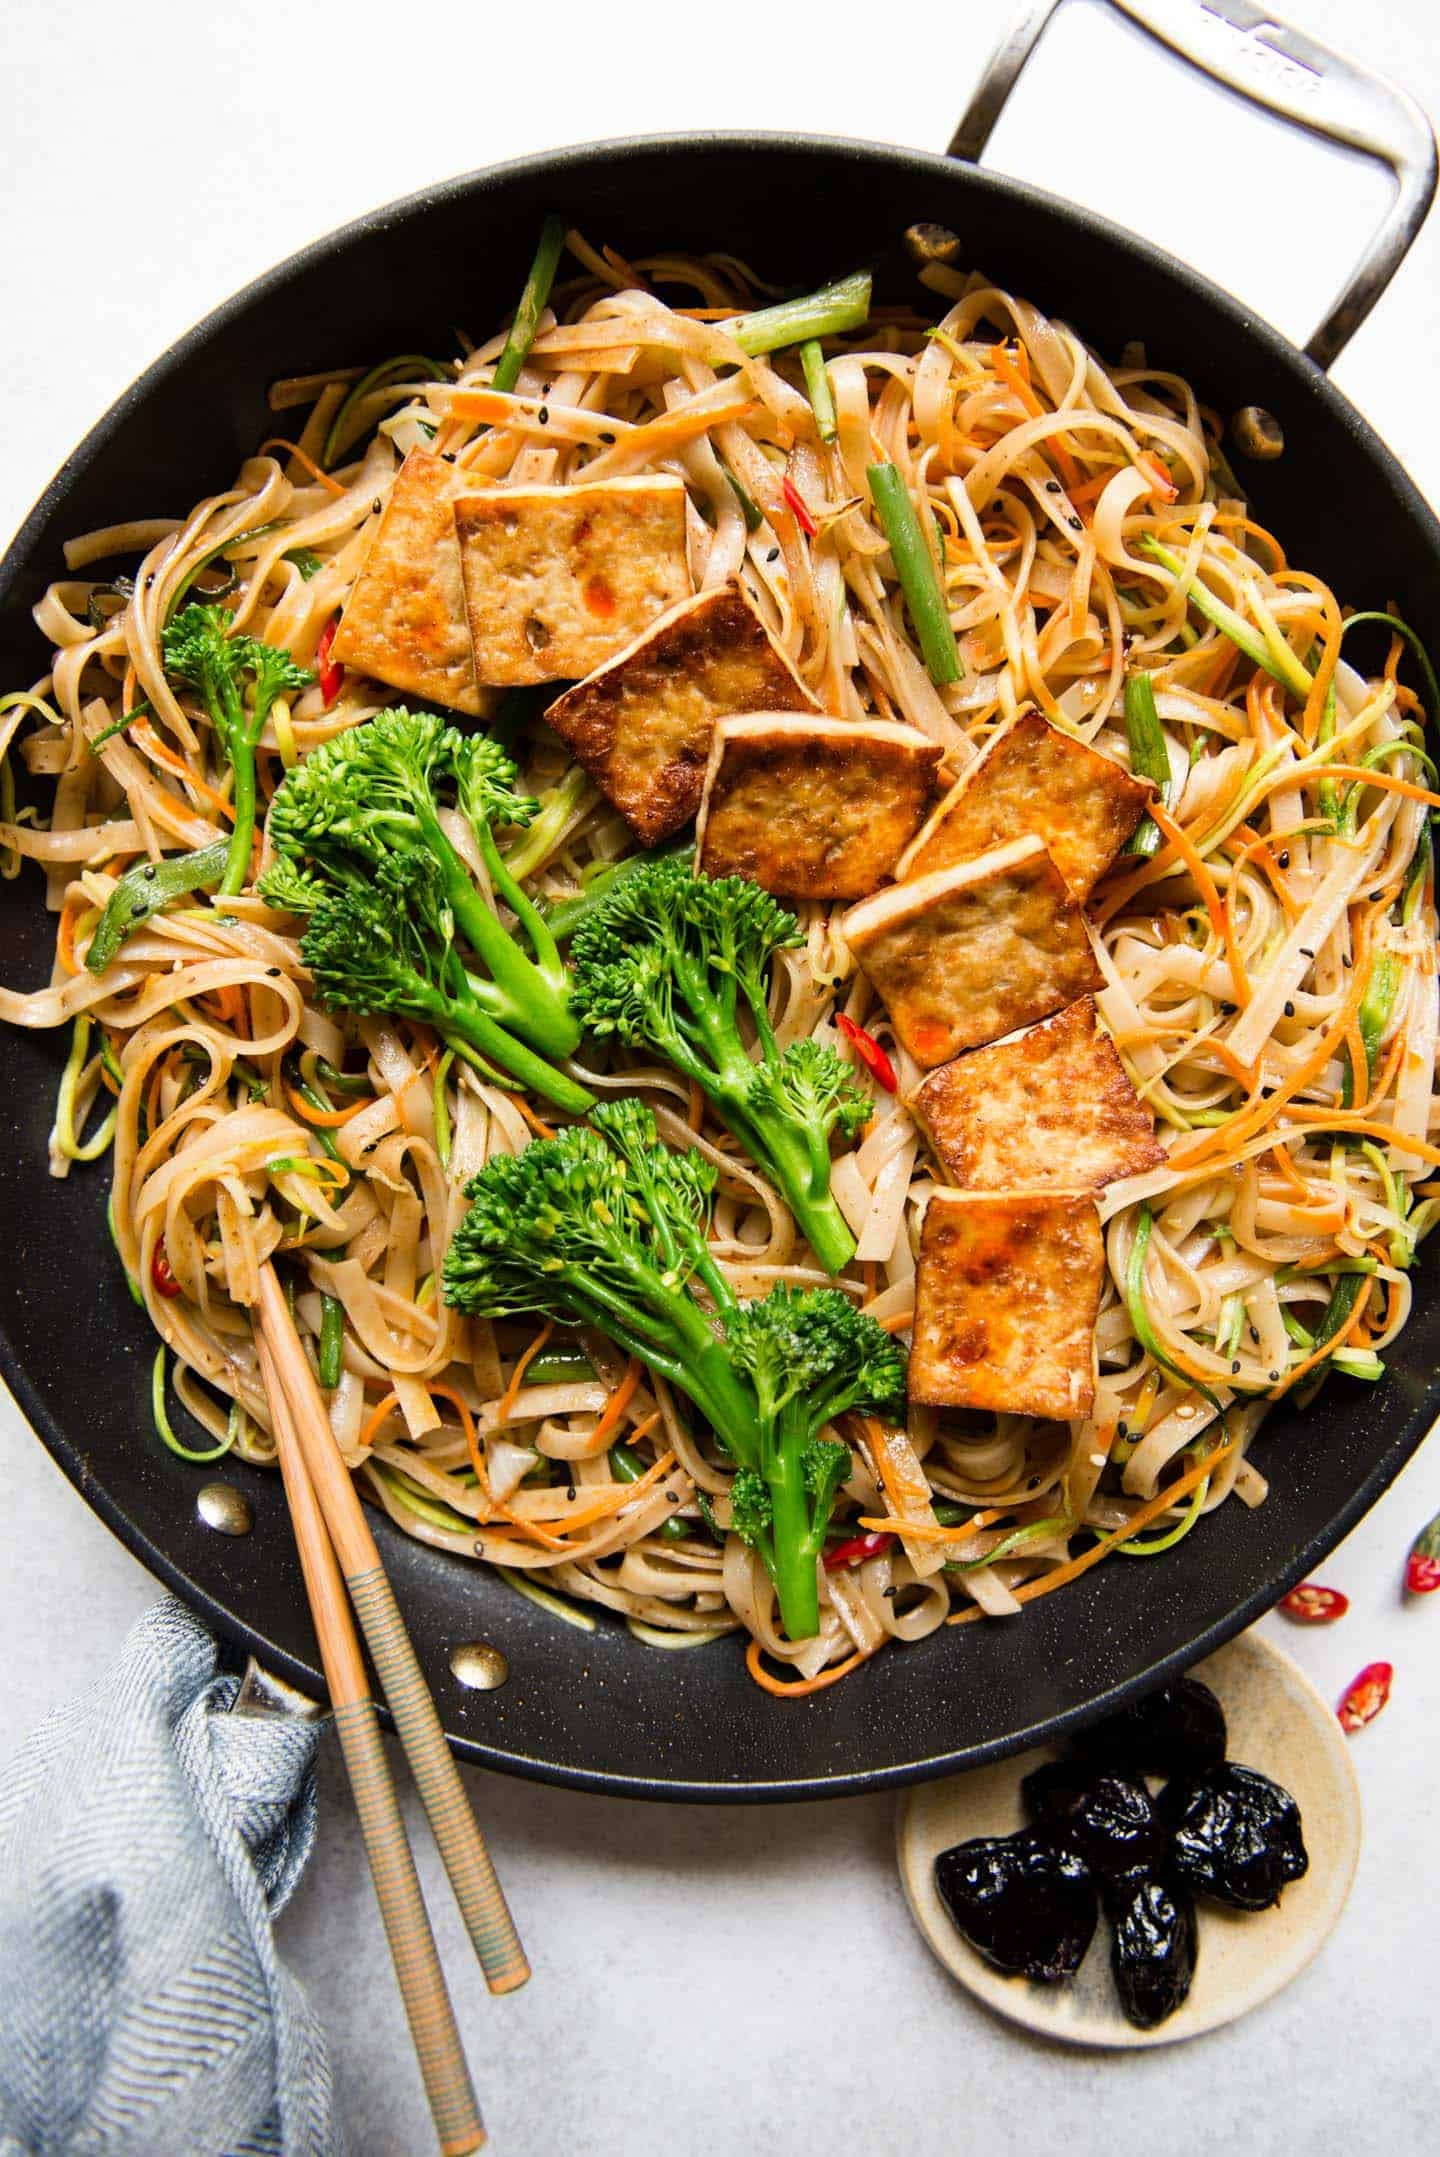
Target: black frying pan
(600, 1711)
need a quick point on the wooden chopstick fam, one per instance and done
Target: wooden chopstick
(392, 1867)
(461, 1845)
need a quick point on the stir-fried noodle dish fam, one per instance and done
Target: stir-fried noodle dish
(797, 934)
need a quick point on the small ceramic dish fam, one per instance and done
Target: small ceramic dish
(1279, 1724)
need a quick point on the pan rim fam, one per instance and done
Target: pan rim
(1237, 319)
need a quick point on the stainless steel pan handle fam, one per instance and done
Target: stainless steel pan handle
(1271, 64)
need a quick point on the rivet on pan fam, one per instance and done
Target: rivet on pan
(480, 1665)
(225, 1509)
(926, 243)
(1257, 433)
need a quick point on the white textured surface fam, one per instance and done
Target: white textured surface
(714, 1981)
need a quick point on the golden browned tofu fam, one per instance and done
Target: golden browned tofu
(970, 953)
(1053, 1109)
(559, 579)
(1032, 780)
(642, 724)
(1006, 1297)
(813, 808)
(404, 622)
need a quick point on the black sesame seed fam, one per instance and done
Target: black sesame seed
(889, 1594)
(1122, 1430)
(1052, 486)
(1274, 1378)
(1284, 859)
(673, 1496)
(376, 506)
(773, 555)
(570, 1494)
(149, 580)
(543, 415)
(1235, 1368)
(1075, 524)
(273, 973)
(1347, 962)
(1306, 952)
(1289, 1010)
(448, 455)
(607, 437)
(149, 869)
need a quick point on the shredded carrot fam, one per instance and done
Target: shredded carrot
(65, 935)
(618, 1401)
(615, 1498)
(1151, 1510)
(537, 1123)
(293, 449)
(1220, 920)
(798, 1688)
(931, 1531)
(328, 1119)
(1338, 1120)
(1010, 372)
(505, 1407)
(160, 752)
(1383, 779)
(376, 1417)
(899, 1321)
(658, 437)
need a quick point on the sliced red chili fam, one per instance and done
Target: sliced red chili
(1422, 1567)
(799, 508)
(870, 1053)
(165, 1281)
(1365, 1696)
(1310, 1604)
(1422, 1574)
(331, 673)
(857, 1549)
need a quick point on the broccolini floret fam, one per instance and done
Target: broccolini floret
(379, 793)
(238, 680)
(387, 944)
(676, 961)
(604, 1226)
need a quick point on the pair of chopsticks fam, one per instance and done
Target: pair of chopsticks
(339, 1559)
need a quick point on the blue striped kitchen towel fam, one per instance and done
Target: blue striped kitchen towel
(147, 1838)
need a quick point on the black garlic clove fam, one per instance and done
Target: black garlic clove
(1235, 1835)
(1152, 1955)
(1178, 1731)
(1027, 1906)
(1108, 1820)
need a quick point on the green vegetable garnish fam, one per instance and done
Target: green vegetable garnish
(673, 961)
(916, 571)
(603, 1226)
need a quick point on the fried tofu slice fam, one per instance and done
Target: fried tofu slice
(404, 622)
(642, 724)
(1052, 1109)
(559, 579)
(1034, 781)
(813, 808)
(1006, 1297)
(970, 953)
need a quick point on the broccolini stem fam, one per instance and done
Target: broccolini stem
(466, 1026)
(242, 839)
(799, 1164)
(793, 1547)
(532, 921)
(541, 1019)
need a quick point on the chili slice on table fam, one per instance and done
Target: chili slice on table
(330, 672)
(870, 1053)
(1310, 1604)
(1365, 1696)
(1422, 1567)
